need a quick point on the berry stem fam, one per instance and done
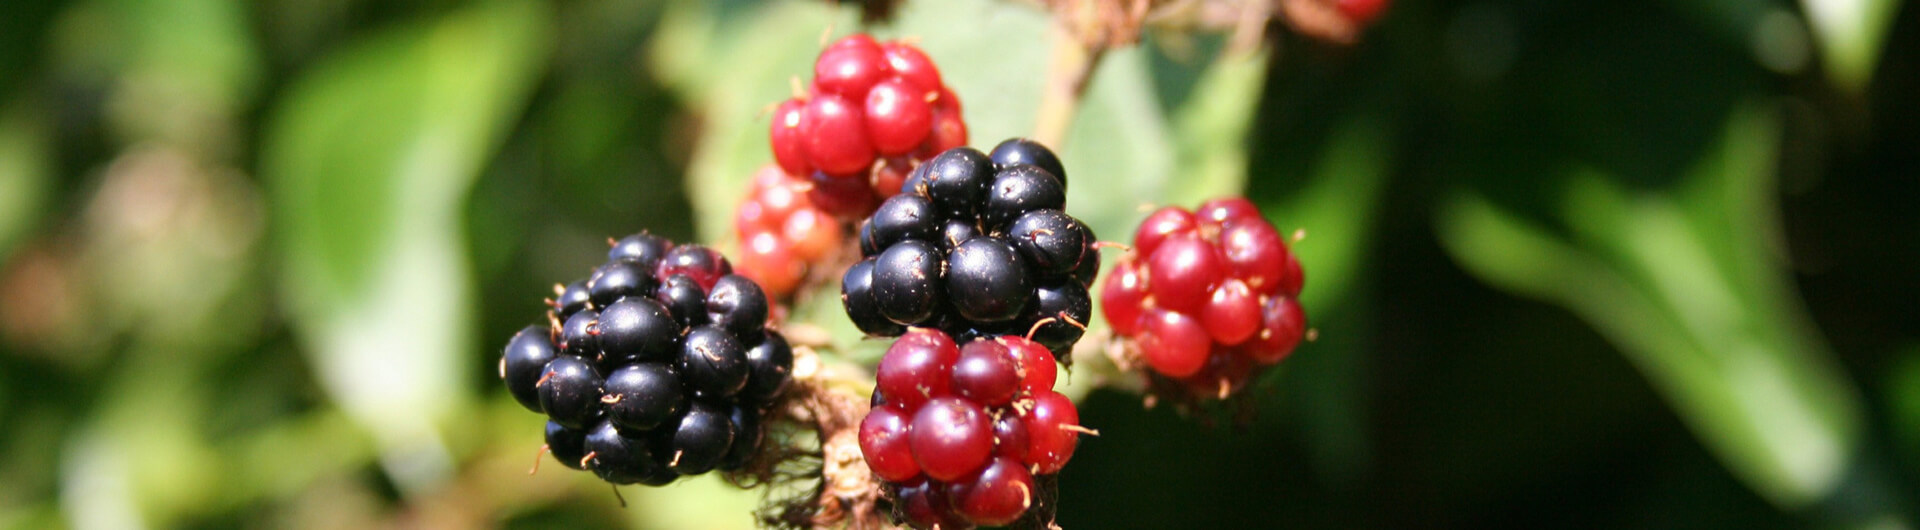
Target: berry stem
(1073, 65)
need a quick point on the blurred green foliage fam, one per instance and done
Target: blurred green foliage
(1571, 264)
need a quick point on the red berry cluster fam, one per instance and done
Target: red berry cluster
(959, 433)
(874, 112)
(781, 232)
(1207, 295)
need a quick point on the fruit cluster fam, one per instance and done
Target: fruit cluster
(960, 432)
(658, 365)
(874, 110)
(977, 245)
(1208, 295)
(781, 232)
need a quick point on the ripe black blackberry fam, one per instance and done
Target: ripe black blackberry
(977, 245)
(659, 364)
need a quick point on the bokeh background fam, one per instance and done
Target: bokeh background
(1636, 263)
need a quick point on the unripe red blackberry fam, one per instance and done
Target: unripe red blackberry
(663, 367)
(958, 432)
(873, 111)
(1207, 297)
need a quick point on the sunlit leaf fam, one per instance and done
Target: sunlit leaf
(24, 173)
(369, 157)
(1684, 289)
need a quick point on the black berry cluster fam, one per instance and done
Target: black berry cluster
(977, 245)
(658, 365)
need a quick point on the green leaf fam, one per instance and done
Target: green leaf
(368, 159)
(24, 172)
(1680, 280)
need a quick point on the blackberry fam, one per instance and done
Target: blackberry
(986, 280)
(643, 249)
(1017, 151)
(737, 305)
(643, 395)
(524, 362)
(573, 298)
(713, 362)
(907, 281)
(569, 446)
(659, 365)
(697, 440)
(635, 330)
(684, 299)
(976, 246)
(619, 459)
(570, 392)
(616, 280)
(856, 295)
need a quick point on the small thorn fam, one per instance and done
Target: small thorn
(1224, 388)
(551, 302)
(1026, 495)
(676, 458)
(586, 462)
(1079, 429)
(559, 290)
(610, 398)
(611, 242)
(543, 379)
(536, 458)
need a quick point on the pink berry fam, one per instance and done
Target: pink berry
(1222, 211)
(1255, 253)
(812, 233)
(898, 116)
(949, 131)
(1172, 342)
(835, 136)
(911, 64)
(1010, 436)
(1161, 224)
(1053, 430)
(1123, 297)
(916, 367)
(986, 374)
(1232, 314)
(926, 505)
(892, 173)
(950, 437)
(1035, 360)
(998, 495)
(1184, 269)
(1282, 324)
(850, 67)
(768, 260)
(884, 443)
(846, 198)
(789, 145)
